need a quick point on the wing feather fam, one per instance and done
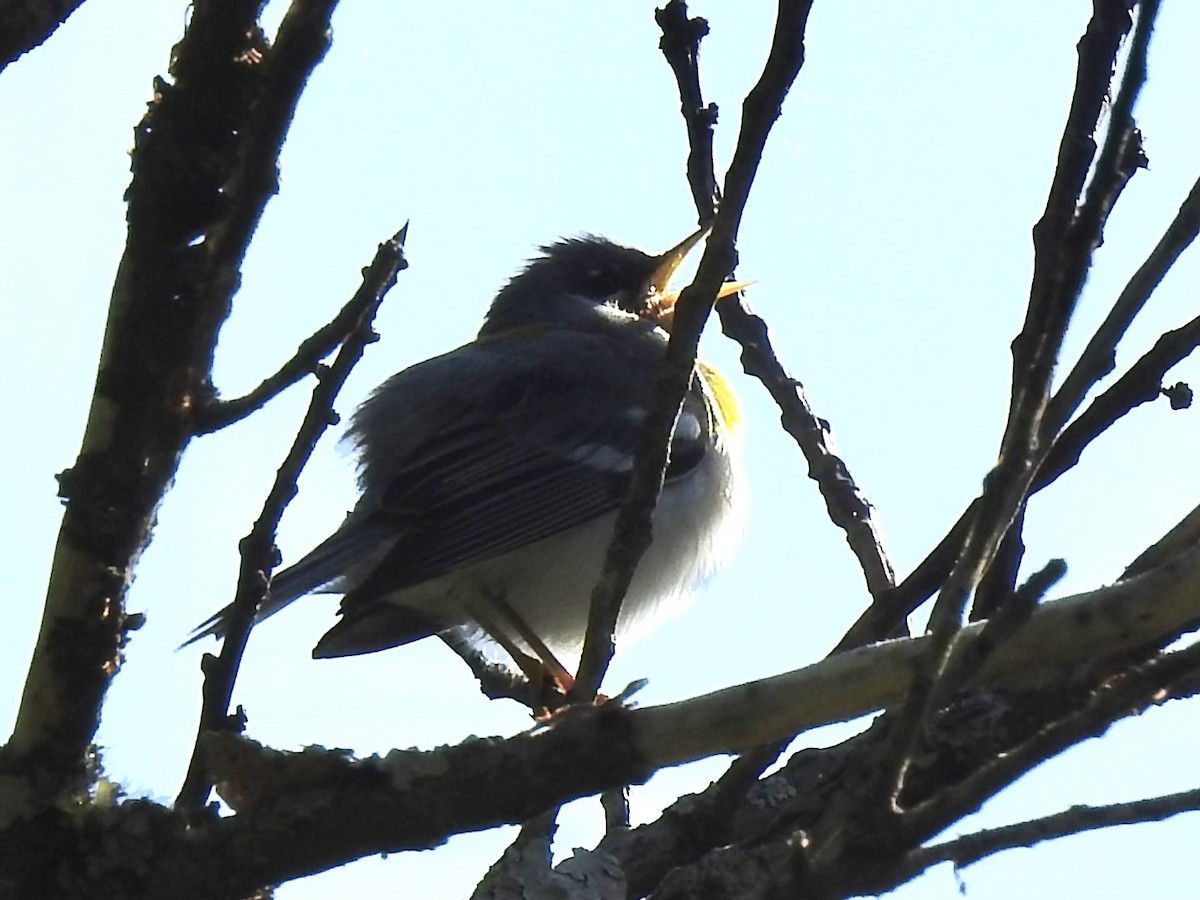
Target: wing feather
(499, 463)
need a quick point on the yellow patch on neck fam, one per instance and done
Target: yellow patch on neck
(727, 406)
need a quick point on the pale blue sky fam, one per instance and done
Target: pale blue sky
(889, 237)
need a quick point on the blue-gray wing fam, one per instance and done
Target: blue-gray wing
(505, 442)
(469, 455)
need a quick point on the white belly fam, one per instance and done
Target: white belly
(549, 584)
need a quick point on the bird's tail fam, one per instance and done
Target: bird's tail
(325, 568)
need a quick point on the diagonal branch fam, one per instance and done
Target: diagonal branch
(191, 210)
(1064, 240)
(306, 361)
(1142, 383)
(971, 848)
(258, 547)
(1099, 357)
(25, 24)
(632, 533)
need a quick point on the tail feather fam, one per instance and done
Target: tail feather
(336, 564)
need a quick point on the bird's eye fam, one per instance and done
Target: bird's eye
(601, 283)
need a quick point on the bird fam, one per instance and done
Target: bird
(491, 475)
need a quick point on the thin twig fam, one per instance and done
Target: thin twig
(258, 548)
(971, 848)
(306, 361)
(632, 532)
(845, 503)
(847, 506)
(1100, 356)
(680, 45)
(1063, 242)
(1142, 383)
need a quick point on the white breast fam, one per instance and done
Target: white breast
(697, 526)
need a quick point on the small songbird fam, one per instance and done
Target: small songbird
(491, 475)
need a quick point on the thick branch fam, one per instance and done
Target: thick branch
(412, 799)
(155, 360)
(24, 24)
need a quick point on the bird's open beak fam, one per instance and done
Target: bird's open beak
(660, 299)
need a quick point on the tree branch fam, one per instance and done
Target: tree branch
(847, 506)
(1099, 357)
(971, 848)
(306, 361)
(1142, 383)
(632, 533)
(25, 24)
(1064, 240)
(258, 547)
(192, 206)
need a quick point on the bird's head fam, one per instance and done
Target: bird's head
(577, 279)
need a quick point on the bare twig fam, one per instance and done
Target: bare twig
(1063, 242)
(971, 848)
(1099, 357)
(258, 548)
(680, 45)
(1142, 383)
(845, 503)
(632, 531)
(847, 506)
(306, 361)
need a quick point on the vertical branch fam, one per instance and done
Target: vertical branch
(258, 547)
(847, 506)
(632, 533)
(153, 370)
(680, 46)
(203, 171)
(1063, 243)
